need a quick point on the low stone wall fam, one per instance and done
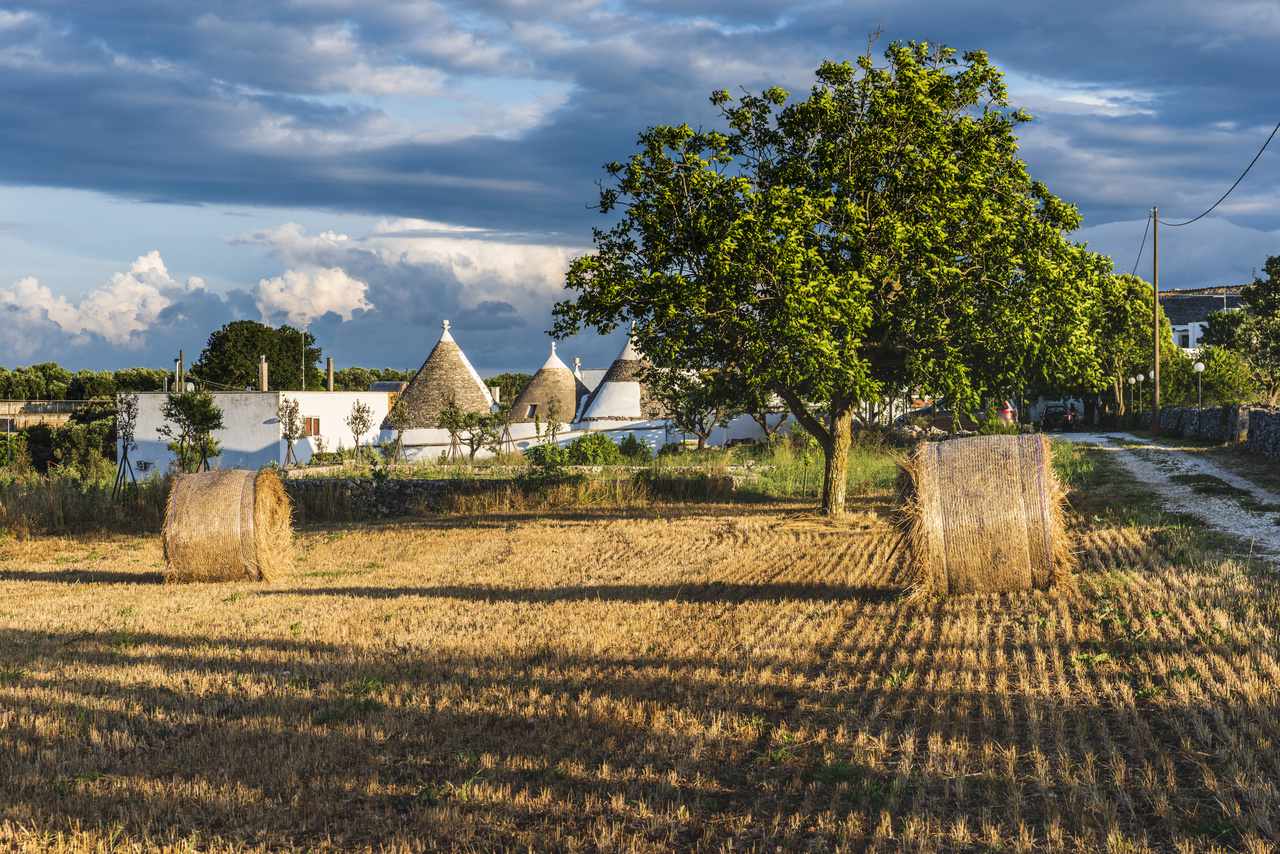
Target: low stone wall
(366, 497)
(1264, 432)
(1258, 430)
(1213, 424)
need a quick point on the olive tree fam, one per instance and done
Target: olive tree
(880, 234)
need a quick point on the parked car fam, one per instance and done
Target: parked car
(1056, 416)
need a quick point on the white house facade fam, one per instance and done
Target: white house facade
(251, 436)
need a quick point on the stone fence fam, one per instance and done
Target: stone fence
(1258, 430)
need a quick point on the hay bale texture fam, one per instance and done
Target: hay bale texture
(985, 515)
(227, 525)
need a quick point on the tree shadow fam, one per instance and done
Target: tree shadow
(712, 591)
(82, 576)
(282, 743)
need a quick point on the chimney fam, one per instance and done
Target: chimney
(329, 371)
(263, 384)
(577, 366)
(496, 393)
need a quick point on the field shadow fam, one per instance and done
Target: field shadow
(352, 748)
(82, 576)
(700, 592)
(778, 509)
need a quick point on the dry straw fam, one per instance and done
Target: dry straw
(984, 515)
(227, 526)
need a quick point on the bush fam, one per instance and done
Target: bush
(594, 449)
(14, 455)
(634, 450)
(547, 456)
(993, 425)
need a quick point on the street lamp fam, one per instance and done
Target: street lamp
(1141, 377)
(1132, 380)
(1198, 367)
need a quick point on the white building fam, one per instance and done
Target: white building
(614, 401)
(250, 437)
(1188, 311)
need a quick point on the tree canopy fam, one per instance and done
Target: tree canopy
(880, 234)
(230, 359)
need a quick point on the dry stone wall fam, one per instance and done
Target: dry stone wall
(1258, 430)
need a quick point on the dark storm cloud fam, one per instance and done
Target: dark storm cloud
(338, 105)
(147, 100)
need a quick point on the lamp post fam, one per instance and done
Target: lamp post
(1198, 367)
(1140, 378)
(1132, 380)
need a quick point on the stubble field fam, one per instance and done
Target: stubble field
(697, 676)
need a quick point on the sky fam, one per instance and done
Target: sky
(369, 169)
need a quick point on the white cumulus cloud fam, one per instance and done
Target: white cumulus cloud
(300, 296)
(120, 311)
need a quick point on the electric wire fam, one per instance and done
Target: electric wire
(1232, 187)
(1143, 247)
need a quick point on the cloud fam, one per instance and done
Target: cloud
(120, 311)
(300, 296)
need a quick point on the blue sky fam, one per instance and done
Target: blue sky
(372, 168)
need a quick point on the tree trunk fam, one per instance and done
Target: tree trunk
(702, 440)
(835, 480)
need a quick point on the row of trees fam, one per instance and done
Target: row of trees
(881, 234)
(50, 381)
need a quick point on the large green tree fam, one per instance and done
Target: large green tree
(880, 234)
(230, 359)
(1253, 331)
(1121, 329)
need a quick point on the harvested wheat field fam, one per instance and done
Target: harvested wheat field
(696, 677)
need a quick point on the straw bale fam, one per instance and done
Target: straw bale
(984, 515)
(229, 525)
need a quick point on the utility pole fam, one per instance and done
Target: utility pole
(1155, 320)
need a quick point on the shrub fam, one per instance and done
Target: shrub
(594, 449)
(547, 456)
(634, 450)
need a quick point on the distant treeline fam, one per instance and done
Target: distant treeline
(51, 381)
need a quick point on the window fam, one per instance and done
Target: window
(311, 426)
(1184, 339)
(533, 410)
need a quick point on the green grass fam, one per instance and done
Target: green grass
(1207, 484)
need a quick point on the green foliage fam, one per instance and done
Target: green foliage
(86, 448)
(1122, 330)
(594, 449)
(45, 381)
(547, 456)
(634, 451)
(697, 402)
(880, 234)
(510, 384)
(359, 379)
(359, 422)
(88, 385)
(1228, 378)
(231, 357)
(15, 458)
(190, 419)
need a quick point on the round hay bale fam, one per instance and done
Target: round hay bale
(229, 525)
(984, 515)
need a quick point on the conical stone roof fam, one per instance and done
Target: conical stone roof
(446, 375)
(553, 382)
(621, 395)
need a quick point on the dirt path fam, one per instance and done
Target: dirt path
(1189, 483)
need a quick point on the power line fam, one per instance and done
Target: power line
(1137, 260)
(1232, 187)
